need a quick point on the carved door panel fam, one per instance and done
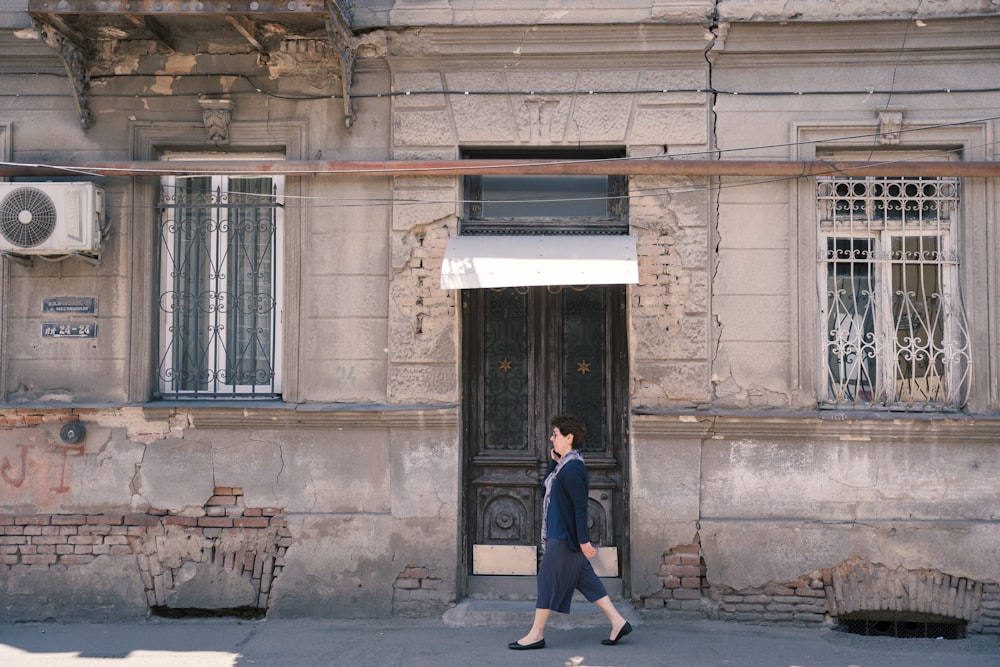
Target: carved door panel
(528, 355)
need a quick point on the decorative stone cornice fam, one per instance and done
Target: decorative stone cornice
(309, 416)
(818, 426)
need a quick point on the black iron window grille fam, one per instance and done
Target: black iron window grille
(220, 277)
(895, 332)
(545, 204)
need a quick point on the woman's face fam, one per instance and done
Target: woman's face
(561, 443)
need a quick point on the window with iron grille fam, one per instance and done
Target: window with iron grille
(220, 287)
(545, 204)
(895, 334)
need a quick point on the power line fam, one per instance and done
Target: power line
(305, 97)
(328, 201)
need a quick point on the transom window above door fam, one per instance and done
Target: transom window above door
(550, 204)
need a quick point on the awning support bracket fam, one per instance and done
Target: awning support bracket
(74, 59)
(338, 28)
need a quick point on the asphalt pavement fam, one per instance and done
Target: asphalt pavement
(656, 641)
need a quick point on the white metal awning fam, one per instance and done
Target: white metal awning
(520, 261)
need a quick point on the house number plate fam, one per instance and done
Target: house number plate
(69, 330)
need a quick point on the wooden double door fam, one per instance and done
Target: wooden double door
(530, 354)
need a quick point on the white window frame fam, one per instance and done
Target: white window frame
(219, 387)
(923, 137)
(883, 343)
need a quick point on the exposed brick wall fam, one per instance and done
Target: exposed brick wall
(682, 576)
(800, 602)
(414, 593)
(250, 542)
(857, 585)
(821, 596)
(44, 541)
(34, 418)
(989, 617)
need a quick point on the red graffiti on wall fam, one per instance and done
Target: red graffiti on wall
(38, 475)
(6, 466)
(65, 449)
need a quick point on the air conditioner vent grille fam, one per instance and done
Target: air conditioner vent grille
(27, 217)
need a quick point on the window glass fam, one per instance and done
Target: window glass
(545, 204)
(545, 197)
(219, 287)
(896, 334)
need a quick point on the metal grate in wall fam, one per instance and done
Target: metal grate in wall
(905, 628)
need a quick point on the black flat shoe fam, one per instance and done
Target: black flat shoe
(627, 628)
(514, 646)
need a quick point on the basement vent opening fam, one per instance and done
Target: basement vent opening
(906, 626)
(248, 612)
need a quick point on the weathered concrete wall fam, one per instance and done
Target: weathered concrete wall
(669, 217)
(897, 495)
(765, 301)
(763, 514)
(470, 12)
(818, 10)
(350, 487)
(337, 256)
(352, 507)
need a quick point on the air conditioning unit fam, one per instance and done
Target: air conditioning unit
(51, 218)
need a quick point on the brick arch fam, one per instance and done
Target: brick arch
(858, 586)
(854, 587)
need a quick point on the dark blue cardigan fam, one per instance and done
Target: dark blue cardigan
(570, 493)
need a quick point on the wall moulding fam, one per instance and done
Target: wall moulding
(518, 42)
(852, 38)
(310, 416)
(819, 426)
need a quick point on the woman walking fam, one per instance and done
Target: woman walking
(566, 545)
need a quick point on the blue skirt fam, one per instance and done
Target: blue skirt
(563, 571)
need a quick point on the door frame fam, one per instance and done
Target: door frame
(472, 392)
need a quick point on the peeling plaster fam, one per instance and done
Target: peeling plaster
(163, 86)
(226, 82)
(179, 63)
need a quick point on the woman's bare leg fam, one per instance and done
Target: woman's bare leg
(609, 609)
(537, 632)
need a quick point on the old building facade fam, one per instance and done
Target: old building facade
(348, 260)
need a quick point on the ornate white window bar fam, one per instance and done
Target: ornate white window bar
(895, 332)
(220, 281)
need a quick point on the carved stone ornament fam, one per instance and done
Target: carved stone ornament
(890, 122)
(217, 115)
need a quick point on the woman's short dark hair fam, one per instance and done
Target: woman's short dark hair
(570, 425)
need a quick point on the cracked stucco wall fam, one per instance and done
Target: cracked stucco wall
(669, 216)
(357, 501)
(471, 12)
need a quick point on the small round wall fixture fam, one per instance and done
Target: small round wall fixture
(72, 433)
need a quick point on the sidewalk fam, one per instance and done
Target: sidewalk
(429, 642)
